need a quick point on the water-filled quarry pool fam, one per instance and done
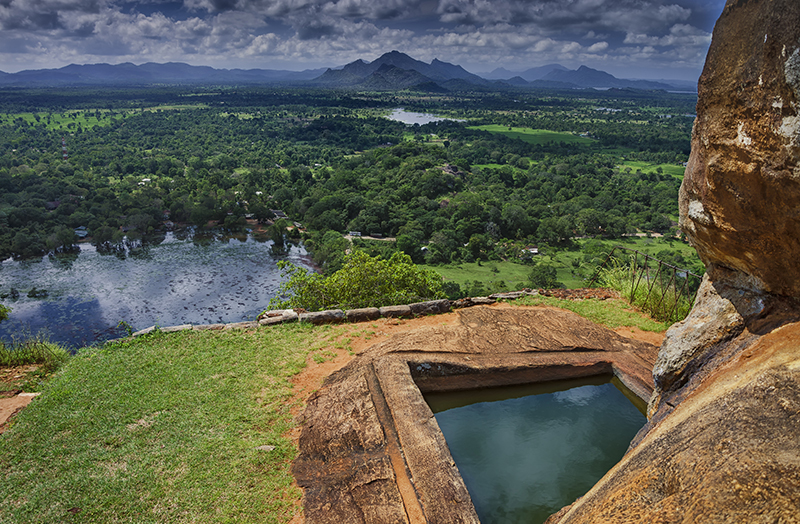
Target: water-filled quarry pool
(525, 452)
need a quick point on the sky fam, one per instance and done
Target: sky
(654, 39)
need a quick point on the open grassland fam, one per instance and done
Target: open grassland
(646, 167)
(513, 275)
(575, 262)
(534, 136)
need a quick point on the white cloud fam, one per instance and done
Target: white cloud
(599, 47)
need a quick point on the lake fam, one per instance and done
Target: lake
(186, 279)
(411, 118)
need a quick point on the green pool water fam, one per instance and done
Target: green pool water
(525, 452)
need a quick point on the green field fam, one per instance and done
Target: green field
(646, 167)
(575, 263)
(534, 136)
(512, 274)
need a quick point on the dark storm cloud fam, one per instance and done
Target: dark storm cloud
(552, 16)
(315, 30)
(614, 35)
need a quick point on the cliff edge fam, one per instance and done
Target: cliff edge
(723, 439)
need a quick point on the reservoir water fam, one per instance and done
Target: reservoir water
(525, 457)
(185, 279)
(410, 117)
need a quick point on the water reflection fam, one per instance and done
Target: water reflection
(186, 278)
(524, 458)
(411, 118)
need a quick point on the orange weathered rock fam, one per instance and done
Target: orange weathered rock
(371, 450)
(740, 198)
(721, 443)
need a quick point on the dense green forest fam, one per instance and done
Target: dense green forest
(488, 185)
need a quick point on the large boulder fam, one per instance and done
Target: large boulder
(721, 442)
(740, 198)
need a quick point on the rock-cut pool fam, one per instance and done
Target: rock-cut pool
(526, 452)
(185, 279)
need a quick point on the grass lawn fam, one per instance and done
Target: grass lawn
(535, 136)
(514, 275)
(164, 428)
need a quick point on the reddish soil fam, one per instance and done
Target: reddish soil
(365, 334)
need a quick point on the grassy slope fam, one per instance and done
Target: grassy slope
(166, 428)
(514, 275)
(160, 429)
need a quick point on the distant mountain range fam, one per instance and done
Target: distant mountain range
(391, 71)
(150, 74)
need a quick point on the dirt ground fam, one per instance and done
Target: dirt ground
(12, 399)
(364, 335)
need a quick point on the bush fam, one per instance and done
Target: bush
(544, 276)
(363, 281)
(452, 290)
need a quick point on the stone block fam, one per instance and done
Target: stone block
(403, 311)
(431, 307)
(363, 314)
(330, 316)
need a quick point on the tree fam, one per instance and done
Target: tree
(363, 281)
(4, 311)
(543, 276)
(277, 233)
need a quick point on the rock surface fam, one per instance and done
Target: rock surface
(721, 443)
(371, 450)
(740, 198)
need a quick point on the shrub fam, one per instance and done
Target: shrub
(33, 350)
(363, 281)
(543, 276)
(664, 299)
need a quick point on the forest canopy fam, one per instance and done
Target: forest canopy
(485, 185)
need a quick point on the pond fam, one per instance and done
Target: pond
(185, 279)
(411, 118)
(527, 451)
